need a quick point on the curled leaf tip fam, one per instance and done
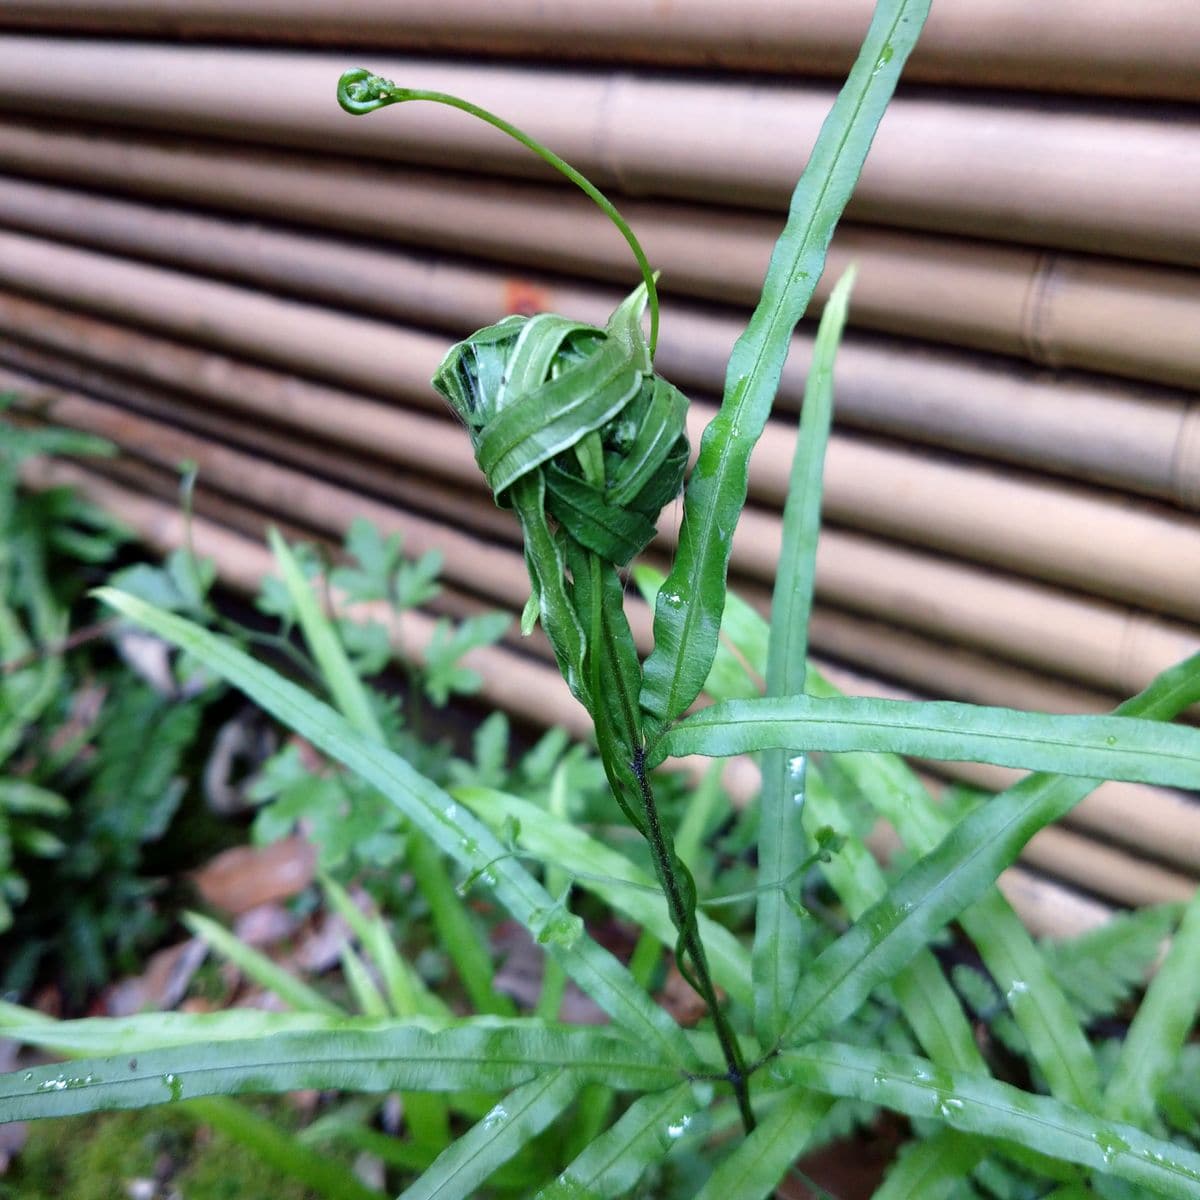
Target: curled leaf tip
(359, 92)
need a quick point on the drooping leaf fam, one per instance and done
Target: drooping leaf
(467, 1162)
(481, 1053)
(453, 830)
(613, 1163)
(983, 1106)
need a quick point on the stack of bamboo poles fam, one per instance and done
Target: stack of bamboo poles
(202, 258)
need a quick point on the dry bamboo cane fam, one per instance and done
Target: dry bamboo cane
(1062, 310)
(1142, 440)
(527, 689)
(1085, 540)
(330, 508)
(1120, 650)
(1072, 45)
(1026, 173)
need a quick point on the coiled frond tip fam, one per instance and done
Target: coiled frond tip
(360, 92)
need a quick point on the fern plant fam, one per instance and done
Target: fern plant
(558, 413)
(90, 755)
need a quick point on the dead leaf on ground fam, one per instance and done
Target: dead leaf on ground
(245, 877)
(680, 1000)
(265, 925)
(160, 986)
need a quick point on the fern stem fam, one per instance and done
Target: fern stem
(360, 92)
(683, 916)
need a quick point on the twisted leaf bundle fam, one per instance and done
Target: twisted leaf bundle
(570, 422)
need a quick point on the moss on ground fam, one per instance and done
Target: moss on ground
(96, 1158)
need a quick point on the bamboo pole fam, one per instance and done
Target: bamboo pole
(1027, 172)
(1072, 45)
(1105, 870)
(370, 355)
(1062, 310)
(1117, 649)
(1144, 556)
(934, 667)
(534, 692)
(1137, 439)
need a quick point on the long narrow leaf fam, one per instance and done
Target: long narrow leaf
(602, 870)
(778, 936)
(287, 1154)
(131, 1035)
(1164, 1018)
(155, 1031)
(459, 1170)
(349, 696)
(1101, 746)
(958, 872)
(926, 998)
(978, 1105)
(931, 1169)
(259, 968)
(457, 934)
(688, 614)
(1057, 1042)
(485, 1053)
(613, 1163)
(407, 994)
(757, 1165)
(453, 830)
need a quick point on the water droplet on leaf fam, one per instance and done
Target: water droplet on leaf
(677, 1128)
(497, 1116)
(1110, 1144)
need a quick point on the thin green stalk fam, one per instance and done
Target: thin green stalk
(554, 978)
(359, 92)
(614, 710)
(672, 874)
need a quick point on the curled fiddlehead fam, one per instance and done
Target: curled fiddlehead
(586, 444)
